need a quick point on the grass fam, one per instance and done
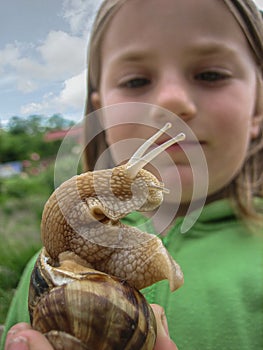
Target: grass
(21, 205)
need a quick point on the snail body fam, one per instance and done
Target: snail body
(84, 291)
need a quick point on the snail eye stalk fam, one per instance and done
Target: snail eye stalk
(140, 159)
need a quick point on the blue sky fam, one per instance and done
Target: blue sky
(43, 56)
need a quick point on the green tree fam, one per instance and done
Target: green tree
(57, 122)
(17, 125)
(35, 124)
(25, 136)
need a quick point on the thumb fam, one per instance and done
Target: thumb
(23, 337)
(163, 340)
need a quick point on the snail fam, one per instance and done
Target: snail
(84, 289)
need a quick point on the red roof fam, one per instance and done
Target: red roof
(75, 132)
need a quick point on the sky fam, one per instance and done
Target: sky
(43, 47)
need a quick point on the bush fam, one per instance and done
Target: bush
(22, 202)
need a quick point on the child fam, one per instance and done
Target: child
(201, 60)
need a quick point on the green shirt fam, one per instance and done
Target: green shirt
(220, 305)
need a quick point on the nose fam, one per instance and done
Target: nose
(174, 94)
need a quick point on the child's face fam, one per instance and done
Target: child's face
(191, 58)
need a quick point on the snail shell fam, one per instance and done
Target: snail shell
(88, 309)
(84, 290)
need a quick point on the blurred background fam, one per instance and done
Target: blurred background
(43, 48)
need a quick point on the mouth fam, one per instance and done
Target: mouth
(182, 146)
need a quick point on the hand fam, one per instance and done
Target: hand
(163, 341)
(23, 337)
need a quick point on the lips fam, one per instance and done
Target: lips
(182, 145)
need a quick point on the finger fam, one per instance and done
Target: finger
(13, 331)
(163, 340)
(162, 326)
(164, 344)
(23, 337)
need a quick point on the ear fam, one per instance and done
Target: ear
(255, 126)
(95, 100)
(257, 118)
(97, 104)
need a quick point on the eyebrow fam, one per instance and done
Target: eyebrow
(130, 55)
(202, 49)
(208, 49)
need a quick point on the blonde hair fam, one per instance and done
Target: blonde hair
(248, 184)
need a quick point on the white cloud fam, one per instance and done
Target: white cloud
(30, 69)
(70, 100)
(259, 3)
(74, 92)
(59, 57)
(33, 108)
(8, 55)
(80, 14)
(26, 86)
(63, 54)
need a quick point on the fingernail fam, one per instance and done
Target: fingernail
(18, 343)
(164, 324)
(12, 332)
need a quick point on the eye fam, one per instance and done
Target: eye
(135, 83)
(211, 76)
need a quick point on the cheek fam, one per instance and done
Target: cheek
(231, 119)
(233, 133)
(116, 134)
(229, 128)
(122, 142)
(116, 122)
(228, 157)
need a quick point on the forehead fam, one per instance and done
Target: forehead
(139, 21)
